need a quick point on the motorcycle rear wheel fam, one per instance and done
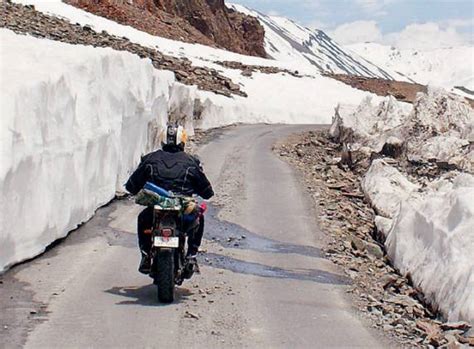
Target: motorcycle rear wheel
(165, 275)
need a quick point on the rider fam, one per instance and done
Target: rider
(174, 170)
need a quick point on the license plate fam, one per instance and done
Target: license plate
(161, 241)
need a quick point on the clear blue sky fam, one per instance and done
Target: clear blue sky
(390, 15)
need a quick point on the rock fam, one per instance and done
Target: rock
(182, 73)
(403, 300)
(388, 280)
(191, 315)
(199, 21)
(430, 328)
(374, 250)
(460, 325)
(357, 244)
(351, 273)
(371, 248)
(466, 340)
(231, 86)
(393, 147)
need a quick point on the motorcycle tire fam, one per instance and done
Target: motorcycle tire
(165, 276)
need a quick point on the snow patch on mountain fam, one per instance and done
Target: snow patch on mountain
(288, 41)
(451, 68)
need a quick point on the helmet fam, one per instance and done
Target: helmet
(174, 135)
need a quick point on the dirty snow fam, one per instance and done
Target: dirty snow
(443, 138)
(428, 223)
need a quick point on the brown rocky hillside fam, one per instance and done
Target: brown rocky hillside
(207, 22)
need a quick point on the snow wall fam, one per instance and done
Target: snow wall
(429, 234)
(432, 239)
(74, 122)
(427, 222)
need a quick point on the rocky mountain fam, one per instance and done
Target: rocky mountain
(288, 41)
(207, 22)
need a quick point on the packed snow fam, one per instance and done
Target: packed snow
(444, 67)
(69, 136)
(386, 188)
(427, 222)
(432, 240)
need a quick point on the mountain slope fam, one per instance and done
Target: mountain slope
(287, 41)
(208, 22)
(444, 67)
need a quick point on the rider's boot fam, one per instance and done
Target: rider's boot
(145, 263)
(191, 266)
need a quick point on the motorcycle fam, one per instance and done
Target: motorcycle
(173, 217)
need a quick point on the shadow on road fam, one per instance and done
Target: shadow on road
(233, 235)
(250, 268)
(146, 295)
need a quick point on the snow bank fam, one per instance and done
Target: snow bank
(386, 188)
(69, 136)
(427, 225)
(438, 128)
(432, 239)
(369, 125)
(429, 234)
(278, 98)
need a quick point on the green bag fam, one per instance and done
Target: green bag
(148, 198)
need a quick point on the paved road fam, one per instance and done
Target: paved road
(264, 282)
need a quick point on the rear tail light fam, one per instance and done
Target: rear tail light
(166, 232)
(203, 207)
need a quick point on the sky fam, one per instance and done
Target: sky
(401, 23)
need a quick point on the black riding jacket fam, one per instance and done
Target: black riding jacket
(172, 169)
